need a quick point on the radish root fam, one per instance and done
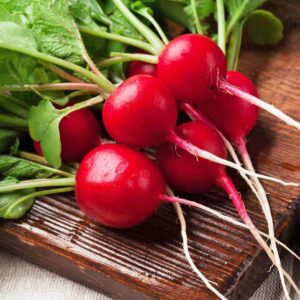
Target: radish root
(254, 231)
(266, 209)
(186, 248)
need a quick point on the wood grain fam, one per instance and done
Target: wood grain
(147, 262)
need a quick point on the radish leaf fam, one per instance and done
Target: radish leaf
(19, 168)
(13, 205)
(263, 28)
(44, 122)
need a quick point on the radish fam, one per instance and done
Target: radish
(194, 68)
(231, 114)
(195, 175)
(236, 118)
(191, 66)
(140, 68)
(120, 187)
(79, 133)
(142, 112)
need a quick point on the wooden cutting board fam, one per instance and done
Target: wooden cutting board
(147, 262)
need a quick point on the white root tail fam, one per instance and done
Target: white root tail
(263, 200)
(231, 220)
(186, 248)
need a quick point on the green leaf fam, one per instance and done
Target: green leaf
(43, 123)
(204, 8)
(263, 28)
(239, 9)
(15, 167)
(14, 205)
(121, 26)
(242, 7)
(141, 8)
(12, 33)
(51, 24)
(182, 13)
(174, 11)
(18, 68)
(7, 139)
(87, 12)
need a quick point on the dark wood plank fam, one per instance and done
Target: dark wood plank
(147, 262)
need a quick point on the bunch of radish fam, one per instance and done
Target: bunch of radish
(116, 184)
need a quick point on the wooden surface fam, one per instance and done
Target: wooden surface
(147, 262)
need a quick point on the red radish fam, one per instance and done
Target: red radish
(236, 118)
(194, 67)
(79, 133)
(191, 65)
(120, 187)
(142, 112)
(189, 174)
(140, 68)
(231, 114)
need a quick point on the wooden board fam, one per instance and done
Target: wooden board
(147, 262)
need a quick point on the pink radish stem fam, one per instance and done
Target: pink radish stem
(231, 89)
(63, 74)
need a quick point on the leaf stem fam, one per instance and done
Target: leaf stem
(196, 17)
(13, 107)
(65, 86)
(102, 81)
(221, 25)
(37, 183)
(93, 101)
(116, 37)
(151, 59)
(65, 169)
(42, 163)
(234, 47)
(157, 27)
(105, 63)
(41, 193)
(233, 21)
(149, 35)
(60, 72)
(13, 121)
